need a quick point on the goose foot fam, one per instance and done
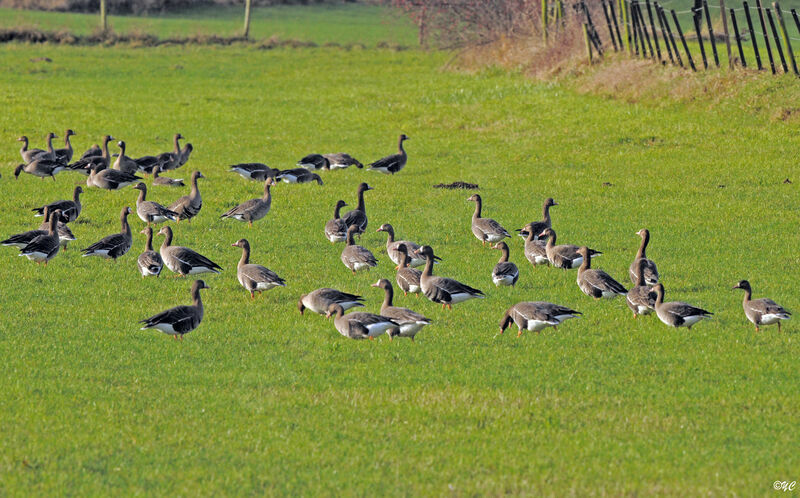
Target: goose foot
(519, 333)
(779, 326)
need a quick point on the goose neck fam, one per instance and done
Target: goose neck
(400, 148)
(478, 205)
(350, 240)
(641, 253)
(748, 293)
(126, 228)
(361, 201)
(148, 246)
(428, 271)
(387, 298)
(167, 239)
(106, 154)
(177, 144)
(504, 257)
(245, 256)
(336, 211)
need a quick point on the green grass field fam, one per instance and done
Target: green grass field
(260, 400)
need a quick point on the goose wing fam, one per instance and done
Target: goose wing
(116, 243)
(602, 281)
(243, 208)
(183, 319)
(490, 227)
(192, 259)
(683, 310)
(23, 239)
(43, 243)
(359, 254)
(150, 209)
(336, 228)
(261, 274)
(455, 287)
(357, 218)
(403, 315)
(151, 260)
(767, 306)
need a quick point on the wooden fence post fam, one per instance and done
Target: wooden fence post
(643, 28)
(738, 39)
(588, 43)
(103, 16)
(671, 38)
(544, 21)
(786, 40)
(246, 18)
(752, 35)
(711, 33)
(610, 28)
(697, 17)
(616, 25)
(664, 32)
(777, 41)
(725, 31)
(623, 10)
(683, 40)
(634, 28)
(653, 29)
(766, 36)
(796, 19)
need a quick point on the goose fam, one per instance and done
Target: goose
(179, 320)
(505, 272)
(43, 248)
(407, 278)
(443, 290)
(186, 151)
(171, 160)
(412, 249)
(115, 245)
(641, 299)
(298, 175)
(146, 164)
(255, 278)
(485, 229)
(539, 226)
(65, 235)
(359, 325)
(254, 171)
(677, 313)
(40, 167)
(165, 181)
(336, 229)
(182, 260)
(536, 316)
(650, 270)
(320, 300)
(189, 206)
(356, 257)
(30, 155)
(314, 162)
(762, 311)
(21, 240)
(535, 247)
(254, 209)
(110, 179)
(394, 163)
(70, 210)
(124, 163)
(64, 155)
(149, 211)
(358, 216)
(410, 322)
(86, 164)
(563, 256)
(94, 150)
(149, 262)
(340, 160)
(597, 283)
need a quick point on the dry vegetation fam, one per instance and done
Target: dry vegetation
(141, 6)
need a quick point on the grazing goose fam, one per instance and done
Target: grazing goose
(641, 299)
(182, 260)
(94, 150)
(115, 245)
(359, 325)
(40, 167)
(443, 290)
(110, 179)
(165, 181)
(539, 226)
(254, 171)
(298, 175)
(412, 249)
(320, 300)
(762, 311)
(255, 278)
(100, 161)
(357, 257)
(407, 278)
(505, 272)
(650, 270)
(124, 163)
(314, 162)
(146, 164)
(394, 163)
(677, 313)
(536, 316)
(340, 160)
(254, 209)
(563, 256)
(186, 151)
(485, 229)
(188, 206)
(597, 283)
(65, 155)
(535, 248)
(70, 210)
(410, 322)
(149, 211)
(171, 160)
(43, 248)
(30, 155)
(358, 216)
(150, 262)
(179, 320)
(336, 229)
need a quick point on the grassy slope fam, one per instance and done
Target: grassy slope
(262, 400)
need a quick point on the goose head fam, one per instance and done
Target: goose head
(643, 233)
(340, 204)
(243, 243)
(743, 284)
(547, 232)
(334, 310)
(386, 228)
(474, 198)
(382, 283)
(69, 133)
(51, 136)
(199, 284)
(140, 186)
(501, 246)
(427, 253)
(364, 187)
(404, 137)
(23, 138)
(550, 202)
(18, 170)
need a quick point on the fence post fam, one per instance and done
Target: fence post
(738, 39)
(697, 17)
(246, 18)
(725, 31)
(616, 25)
(777, 41)
(752, 35)
(671, 38)
(634, 28)
(683, 40)
(786, 40)
(664, 32)
(610, 28)
(544, 21)
(766, 36)
(588, 43)
(623, 10)
(653, 29)
(643, 29)
(796, 20)
(103, 16)
(711, 33)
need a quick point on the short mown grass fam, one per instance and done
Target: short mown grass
(261, 400)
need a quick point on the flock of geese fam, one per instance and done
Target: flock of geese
(109, 172)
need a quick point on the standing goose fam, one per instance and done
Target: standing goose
(485, 229)
(186, 151)
(182, 260)
(87, 163)
(539, 226)
(41, 167)
(394, 163)
(358, 216)
(179, 320)
(298, 175)
(563, 256)
(336, 229)
(165, 181)
(536, 316)
(762, 311)
(30, 155)
(677, 313)
(505, 272)
(597, 283)
(255, 278)
(254, 209)
(535, 248)
(407, 278)
(314, 162)
(149, 262)
(410, 322)
(44, 247)
(412, 249)
(443, 290)
(641, 299)
(21, 240)
(110, 179)
(320, 300)
(254, 171)
(124, 163)
(650, 270)
(340, 160)
(149, 211)
(188, 206)
(65, 235)
(171, 160)
(69, 209)
(357, 257)
(115, 245)
(146, 164)
(359, 325)
(65, 155)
